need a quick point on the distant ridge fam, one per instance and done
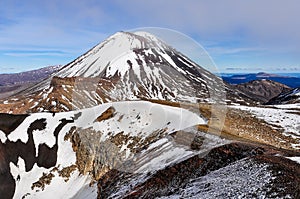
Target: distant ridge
(13, 83)
(28, 76)
(290, 97)
(292, 82)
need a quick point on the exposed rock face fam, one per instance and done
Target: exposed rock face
(94, 157)
(43, 181)
(262, 90)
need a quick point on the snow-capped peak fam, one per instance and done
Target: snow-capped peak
(95, 61)
(140, 64)
(128, 66)
(154, 40)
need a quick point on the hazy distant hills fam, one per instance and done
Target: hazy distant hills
(290, 81)
(15, 82)
(28, 76)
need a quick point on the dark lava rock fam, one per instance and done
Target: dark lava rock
(230, 171)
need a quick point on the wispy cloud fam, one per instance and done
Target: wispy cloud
(4, 69)
(228, 50)
(237, 69)
(262, 69)
(271, 22)
(35, 53)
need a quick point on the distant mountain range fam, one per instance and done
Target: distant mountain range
(15, 82)
(260, 87)
(290, 81)
(28, 76)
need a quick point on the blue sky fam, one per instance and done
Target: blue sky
(240, 36)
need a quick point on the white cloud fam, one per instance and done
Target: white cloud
(34, 54)
(223, 50)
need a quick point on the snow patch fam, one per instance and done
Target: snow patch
(296, 159)
(3, 137)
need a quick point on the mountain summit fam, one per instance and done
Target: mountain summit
(100, 60)
(126, 66)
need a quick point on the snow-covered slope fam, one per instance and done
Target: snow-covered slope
(235, 170)
(65, 153)
(120, 45)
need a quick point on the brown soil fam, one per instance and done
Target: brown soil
(238, 125)
(109, 113)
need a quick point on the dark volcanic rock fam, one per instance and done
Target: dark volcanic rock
(10, 151)
(233, 170)
(286, 176)
(9, 122)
